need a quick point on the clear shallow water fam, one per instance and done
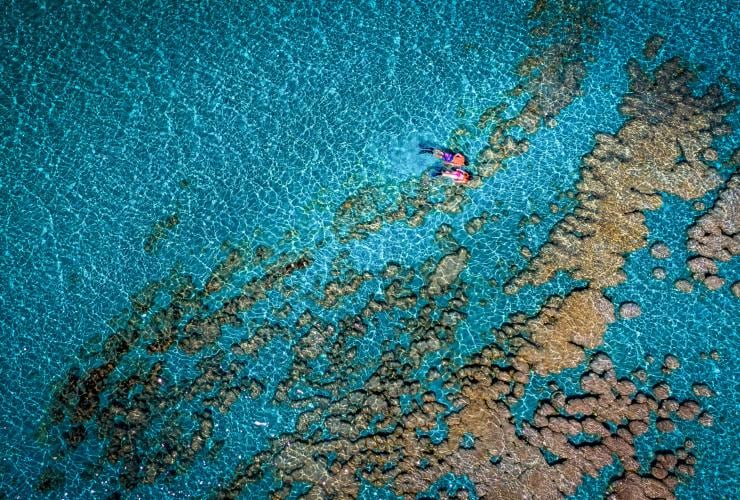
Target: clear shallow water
(249, 121)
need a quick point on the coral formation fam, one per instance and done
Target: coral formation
(660, 250)
(683, 286)
(134, 408)
(656, 151)
(716, 236)
(653, 46)
(414, 411)
(160, 231)
(659, 273)
(630, 310)
(569, 436)
(555, 338)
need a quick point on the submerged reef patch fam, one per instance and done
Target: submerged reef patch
(715, 236)
(160, 231)
(555, 338)
(656, 151)
(134, 408)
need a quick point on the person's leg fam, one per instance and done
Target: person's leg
(437, 171)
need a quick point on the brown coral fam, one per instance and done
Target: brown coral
(716, 235)
(624, 173)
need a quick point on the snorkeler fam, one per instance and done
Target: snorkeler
(448, 157)
(457, 175)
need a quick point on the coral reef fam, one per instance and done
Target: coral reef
(447, 271)
(551, 77)
(716, 236)
(414, 411)
(555, 338)
(630, 310)
(569, 436)
(653, 46)
(660, 250)
(656, 151)
(160, 231)
(133, 407)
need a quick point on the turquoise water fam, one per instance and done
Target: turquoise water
(249, 120)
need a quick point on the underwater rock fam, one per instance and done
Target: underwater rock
(670, 363)
(710, 154)
(705, 270)
(688, 410)
(630, 310)
(224, 271)
(659, 273)
(660, 250)
(640, 375)
(446, 272)
(160, 231)
(701, 266)
(634, 486)
(665, 425)
(348, 286)
(683, 286)
(51, 479)
(714, 282)
(563, 328)
(475, 224)
(706, 419)
(652, 46)
(662, 391)
(75, 436)
(601, 363)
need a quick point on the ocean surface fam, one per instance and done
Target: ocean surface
(243, 163)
